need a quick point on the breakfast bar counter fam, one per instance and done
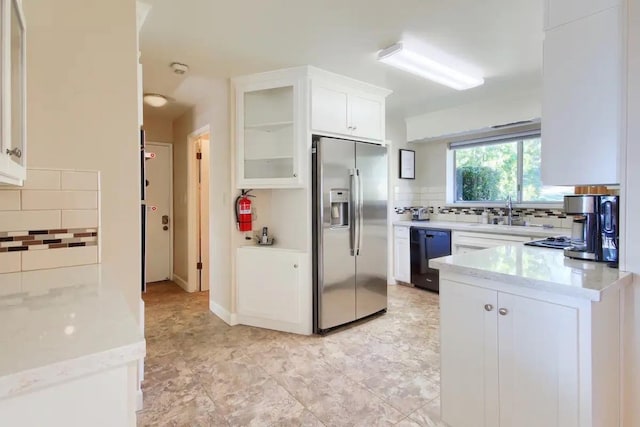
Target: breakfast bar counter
(529, 337)
(70, 348)
(540, 269)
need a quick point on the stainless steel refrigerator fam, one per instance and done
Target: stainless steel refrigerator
(350, 231)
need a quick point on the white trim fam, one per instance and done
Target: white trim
(180, 282)
(192, 214)
(230, 319)
(139, 400)
(276, 325)
(172, 218)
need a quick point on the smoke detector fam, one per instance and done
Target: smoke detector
(179, 68)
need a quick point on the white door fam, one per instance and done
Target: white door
(538, 344)
(159, 222)
(469, 355)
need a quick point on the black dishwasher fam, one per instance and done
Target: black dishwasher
(426, 244)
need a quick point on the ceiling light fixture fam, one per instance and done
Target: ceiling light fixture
(155, 100)
(400, 57)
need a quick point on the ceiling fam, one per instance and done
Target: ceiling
(220, 39)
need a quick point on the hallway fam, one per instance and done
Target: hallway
(200, 371)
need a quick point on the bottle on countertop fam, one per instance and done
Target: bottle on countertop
(485, 217)
(265, 236)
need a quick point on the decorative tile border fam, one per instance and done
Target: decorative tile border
(493, 211)
(536, 213)
(15, 241)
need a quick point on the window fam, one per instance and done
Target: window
(491, 170)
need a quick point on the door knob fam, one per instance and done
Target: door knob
(488, 307)
(503, 311)
(165, 219)
(165, 227)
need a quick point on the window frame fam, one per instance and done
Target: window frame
(519, 138)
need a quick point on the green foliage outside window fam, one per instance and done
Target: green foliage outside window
(489, 172)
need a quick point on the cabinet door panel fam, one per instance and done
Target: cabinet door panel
(469, 355)
(366, 117)
(269, 286)
(582, 100)
(401, 261)
(538, 351)
(329, 110)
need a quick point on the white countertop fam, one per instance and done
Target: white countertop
(528, 231)
(538, 268)
(59, 324)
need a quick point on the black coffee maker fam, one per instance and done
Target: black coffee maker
(595, 230)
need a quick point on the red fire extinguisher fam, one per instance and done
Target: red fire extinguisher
(243, 211)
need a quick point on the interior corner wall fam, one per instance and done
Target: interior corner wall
(630, 250)
(157, 128)
(212, 111)
(82, 113)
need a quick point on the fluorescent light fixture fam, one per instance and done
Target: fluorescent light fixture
(155, 100)
(400, 57)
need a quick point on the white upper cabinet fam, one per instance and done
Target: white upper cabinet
(366, 117)
(268, 133)
(560, 12)
(277, 112)
(13, 125)
(329, 109)
(343, 111)
(582, 109)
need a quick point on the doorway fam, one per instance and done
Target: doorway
(199, 220)
(159, 198)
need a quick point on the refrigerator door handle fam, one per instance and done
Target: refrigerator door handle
(360, 211)
(354, 227)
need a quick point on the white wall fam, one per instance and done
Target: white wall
(213, 110)
(82, 114)
(158, 129)
(480, 115)
(630, 196)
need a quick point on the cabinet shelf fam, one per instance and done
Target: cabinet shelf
(268, 127)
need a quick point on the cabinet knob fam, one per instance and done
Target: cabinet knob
(503, 311)
(488, 307)
(295, 265)
(295, 175)
(15, 152)
(354, 127)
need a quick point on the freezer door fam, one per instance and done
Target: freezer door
(371, 262)
(335, 275)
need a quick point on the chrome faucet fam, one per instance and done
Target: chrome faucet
(509, 207)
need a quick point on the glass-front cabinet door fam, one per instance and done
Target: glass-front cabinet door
(13, 102)
(267, 134)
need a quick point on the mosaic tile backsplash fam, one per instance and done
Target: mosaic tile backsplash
(13, 241)
(434, 199)
(50, 222)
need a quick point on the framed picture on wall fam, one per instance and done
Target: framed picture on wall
(407, 164)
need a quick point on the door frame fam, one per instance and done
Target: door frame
(171, 217)
(192, 209)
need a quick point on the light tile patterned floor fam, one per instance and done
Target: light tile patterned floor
(201, 372)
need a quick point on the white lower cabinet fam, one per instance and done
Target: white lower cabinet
(272, 289)
(401, 254)
(516, 361)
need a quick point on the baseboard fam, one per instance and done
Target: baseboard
(180, 282)
(229, 318)
(276, 325)
(139, 401)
